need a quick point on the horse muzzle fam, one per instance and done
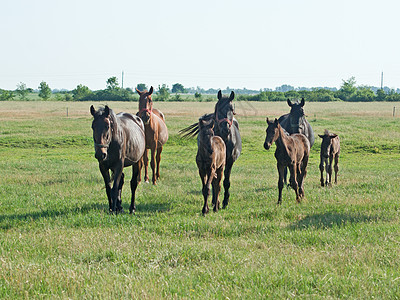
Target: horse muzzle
(267, 146)
(101, 155)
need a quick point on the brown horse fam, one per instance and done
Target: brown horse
(118, 142)
(292, 151)
(210, 160)
(156, 133)
(330, 149)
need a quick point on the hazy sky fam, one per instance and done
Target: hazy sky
(211, 44)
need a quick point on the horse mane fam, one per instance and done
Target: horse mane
(326, 132)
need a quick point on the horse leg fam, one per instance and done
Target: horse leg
(280, 181)
(293, 180)
(303, 174)
(107, 181)
(146, 165)
(153, 164)
(321, 169)
(227, 182)
(140, 165)
(285, 171)
(216, 183)
(336, 166)
(115, 188)
(134, 184)
(158, 159)
(329, 171)
(206, 182)
(119, 200)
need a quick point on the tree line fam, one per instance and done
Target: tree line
(348, 91)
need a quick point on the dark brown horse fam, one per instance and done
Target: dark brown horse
(119, 142)
(330, 150)
(156, 133)
(210, 160)
(292, 151)
(226, 127)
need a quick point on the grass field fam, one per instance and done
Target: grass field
(58, 241)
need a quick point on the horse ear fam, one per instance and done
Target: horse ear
(321, 136)
(267, 120)
(106, 111)
(289, 103)
(332, 136)
(139, 92)
(219, 95)
(302, 102)
(232, 96)
(276, 121)
(151, 90)
(92, 110)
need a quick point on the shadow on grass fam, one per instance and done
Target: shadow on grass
(331, 219)
(150, 207)
(13, 220)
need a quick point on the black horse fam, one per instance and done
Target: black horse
(295, 121)
(119, 142)
(226, 127)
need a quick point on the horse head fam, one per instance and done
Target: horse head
(326, 143)
(272, 133)
(103, 127)
(224, 112)
(296, 116)
(206, 127)
(145, 105)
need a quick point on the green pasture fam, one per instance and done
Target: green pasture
(58, 241)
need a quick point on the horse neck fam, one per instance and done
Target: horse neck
(205, 140)
(282, 140)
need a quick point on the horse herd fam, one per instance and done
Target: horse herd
(123, 139)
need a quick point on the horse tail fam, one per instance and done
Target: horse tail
(194, 129)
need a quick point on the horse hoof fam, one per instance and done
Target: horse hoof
(132, 212)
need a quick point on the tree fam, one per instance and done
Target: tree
(178, 88)
(44, 91)
(112, 83)
(6, 95)
(347, 90)
(163, 93)
(80, 92)
(22, 91)
(141, 87)
(380, 95)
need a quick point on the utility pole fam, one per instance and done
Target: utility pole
(122, 81)
(382, 81)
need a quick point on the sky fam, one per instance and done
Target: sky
(208, 43)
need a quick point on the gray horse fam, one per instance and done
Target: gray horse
(119, 142)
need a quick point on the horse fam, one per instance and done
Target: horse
(292, 151)
(119, 142)
(226, 127)
(156, 133)
(210, 160)
(330, 149)
(295, 122)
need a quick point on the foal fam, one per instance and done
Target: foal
(156, 132)
(210, 160)
(292, 151)
(330, 149)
